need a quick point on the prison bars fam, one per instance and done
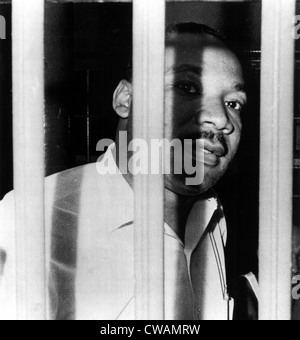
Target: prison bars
(148, 123)
(28, 146)
(275, 165)
(276, 159)
(117, 1)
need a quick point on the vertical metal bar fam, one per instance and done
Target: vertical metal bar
(28, 144)
(148, 123)
(88, 156)
(276, 159)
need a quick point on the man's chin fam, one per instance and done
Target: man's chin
(179, 186)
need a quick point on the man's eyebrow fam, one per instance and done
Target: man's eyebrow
(185, 68)
(240, 87)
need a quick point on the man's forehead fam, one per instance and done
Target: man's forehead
(196, 60)
(212, 62)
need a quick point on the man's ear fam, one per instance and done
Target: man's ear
(122, 99)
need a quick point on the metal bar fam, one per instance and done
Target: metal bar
(107, 1)
(148, 124)
(28, 146)
(88, 156)
(276, 159)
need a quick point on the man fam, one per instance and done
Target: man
(90, 216)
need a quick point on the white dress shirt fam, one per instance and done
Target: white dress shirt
(89, 225)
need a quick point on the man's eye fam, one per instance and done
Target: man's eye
(234, 105)
(187, 88)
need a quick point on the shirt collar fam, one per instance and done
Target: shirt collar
(123, 214)
(198, 221)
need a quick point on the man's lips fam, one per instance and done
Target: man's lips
(215, 148)
(206, 157)
(208, 151)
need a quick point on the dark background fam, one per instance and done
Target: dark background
(87, 50)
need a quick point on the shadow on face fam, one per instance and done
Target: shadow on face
(204, 100)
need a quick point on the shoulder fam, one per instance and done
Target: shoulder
(67, 194)
(6, 220)
(7, 206)
(67, 182)
(63, 183)
(60, 187)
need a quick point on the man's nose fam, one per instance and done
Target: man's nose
(215, 115)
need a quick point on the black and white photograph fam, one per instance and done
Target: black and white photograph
(149, 161)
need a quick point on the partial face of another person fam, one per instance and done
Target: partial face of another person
(204, 100)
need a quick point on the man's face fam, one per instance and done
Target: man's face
(204, 100)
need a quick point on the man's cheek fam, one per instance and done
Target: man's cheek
(236, 137)
(237, 123)
(232, 145)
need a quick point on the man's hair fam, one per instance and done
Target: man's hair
(194, 28)
(188, 28)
